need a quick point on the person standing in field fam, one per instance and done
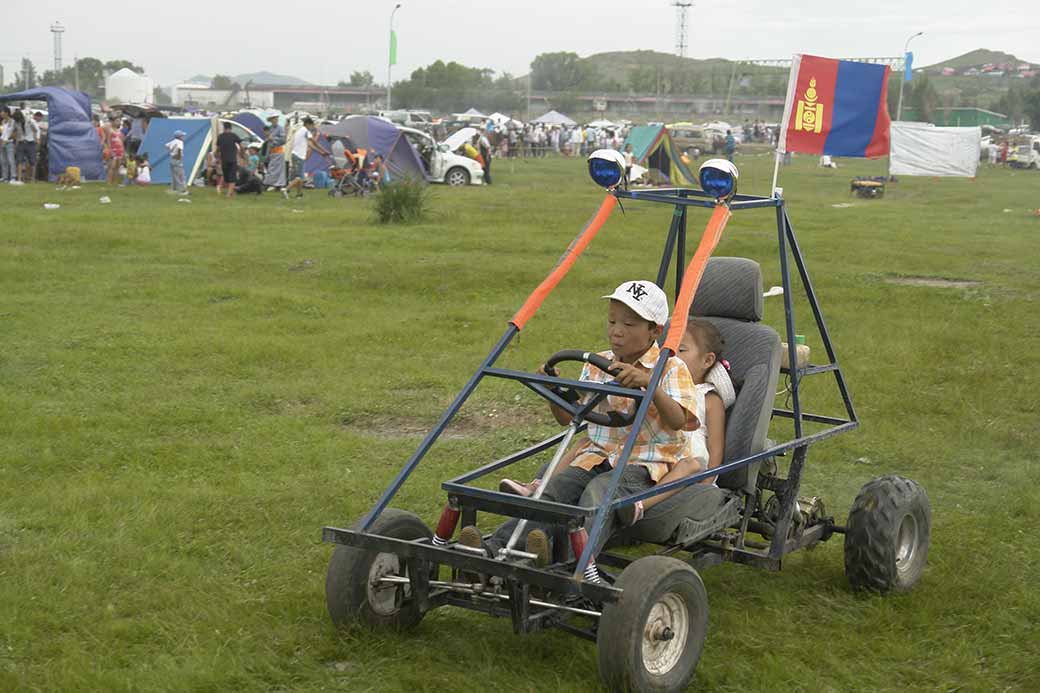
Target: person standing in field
(275, 177)
(229, 145)
(731, 145)
(116, 151)
(305, 141)
(176, 149)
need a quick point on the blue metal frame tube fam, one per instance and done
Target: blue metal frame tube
(432, 436)
(821, 324)
(599, 520)
(792, 348)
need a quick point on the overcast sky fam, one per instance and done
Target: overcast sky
(322, 41)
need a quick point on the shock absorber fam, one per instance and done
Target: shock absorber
(446, 525)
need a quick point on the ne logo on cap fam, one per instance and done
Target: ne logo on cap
(636, 290)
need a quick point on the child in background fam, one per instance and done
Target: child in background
(129, 171)
(144, 171)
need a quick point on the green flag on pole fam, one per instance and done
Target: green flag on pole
(393, 47)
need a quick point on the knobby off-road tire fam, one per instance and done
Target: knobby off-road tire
(887, 536)
(352, 594)
(635, 652)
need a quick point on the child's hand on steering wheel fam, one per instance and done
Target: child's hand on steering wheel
(629, 375)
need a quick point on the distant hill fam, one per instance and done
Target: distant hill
(979, 58)
(261, 78)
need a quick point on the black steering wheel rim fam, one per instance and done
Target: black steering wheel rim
(612, 418)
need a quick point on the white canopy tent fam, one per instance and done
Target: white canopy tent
(922, 149)
(554, 118)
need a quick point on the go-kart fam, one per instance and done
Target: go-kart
(649, 619)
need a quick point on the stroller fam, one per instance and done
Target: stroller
(348, 170)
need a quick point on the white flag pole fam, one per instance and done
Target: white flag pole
(781, 143)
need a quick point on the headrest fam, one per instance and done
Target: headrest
(731, 287)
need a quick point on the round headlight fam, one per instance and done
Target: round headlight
(719, 178)
(607, 168)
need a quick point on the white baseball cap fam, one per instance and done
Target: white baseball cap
(645, 298)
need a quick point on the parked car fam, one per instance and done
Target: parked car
(420, 120)
(443, 165)
(1026, 155)
(690, 138)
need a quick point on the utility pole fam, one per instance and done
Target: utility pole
(57, 29)
(681, 9)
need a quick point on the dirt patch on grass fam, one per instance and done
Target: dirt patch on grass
(463, 426)
(934, 282)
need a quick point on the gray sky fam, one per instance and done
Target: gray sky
(323, 41)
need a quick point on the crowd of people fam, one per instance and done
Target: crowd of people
(22, 139)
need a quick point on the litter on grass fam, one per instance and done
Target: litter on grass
(774, 291)
(50, 205)
(104, 199)
(842, 205)
(184, 199)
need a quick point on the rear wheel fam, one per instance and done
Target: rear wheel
(457, 176)
(888, 535)
(354, 592)
(652, 637)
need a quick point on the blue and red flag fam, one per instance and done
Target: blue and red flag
(836, 107)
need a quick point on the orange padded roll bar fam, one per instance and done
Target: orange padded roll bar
(576, 248)
(692, 277)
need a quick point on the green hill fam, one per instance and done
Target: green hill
(978, 58)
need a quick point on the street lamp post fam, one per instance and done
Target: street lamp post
(902, 79)
(391, 56)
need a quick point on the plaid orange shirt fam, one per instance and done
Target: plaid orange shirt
(656, 447)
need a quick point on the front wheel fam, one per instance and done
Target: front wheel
(652, 638)
(887, 536)
(457, 176)
(354, 592)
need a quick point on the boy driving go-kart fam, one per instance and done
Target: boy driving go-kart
(636, 316)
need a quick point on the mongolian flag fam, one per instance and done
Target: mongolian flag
(836, 107)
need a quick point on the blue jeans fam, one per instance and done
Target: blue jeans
(9, 170)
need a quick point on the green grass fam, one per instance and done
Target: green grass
(191, 391)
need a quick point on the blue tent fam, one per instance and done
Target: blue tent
(250, 120)
(198, 133)
(71, 137)
(383, 138)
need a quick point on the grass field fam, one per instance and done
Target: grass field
(191, 391)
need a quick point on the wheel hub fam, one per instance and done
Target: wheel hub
(908, 539)
(385, 598)
(664, 636)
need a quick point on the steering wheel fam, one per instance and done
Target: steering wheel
(612, 418)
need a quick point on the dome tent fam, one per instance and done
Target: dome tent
(652, 147)
(71, 137)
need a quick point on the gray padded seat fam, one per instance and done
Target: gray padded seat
(730, 295)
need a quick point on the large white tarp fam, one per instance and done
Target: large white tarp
(921, 149)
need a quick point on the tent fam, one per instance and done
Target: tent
(921, 149)
(602, 124)
(652, 147)
(71, 137)
(251, 120)
(554, 118)
(197, 139)
(383, 138)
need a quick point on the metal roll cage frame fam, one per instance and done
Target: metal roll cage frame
(566, 579)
